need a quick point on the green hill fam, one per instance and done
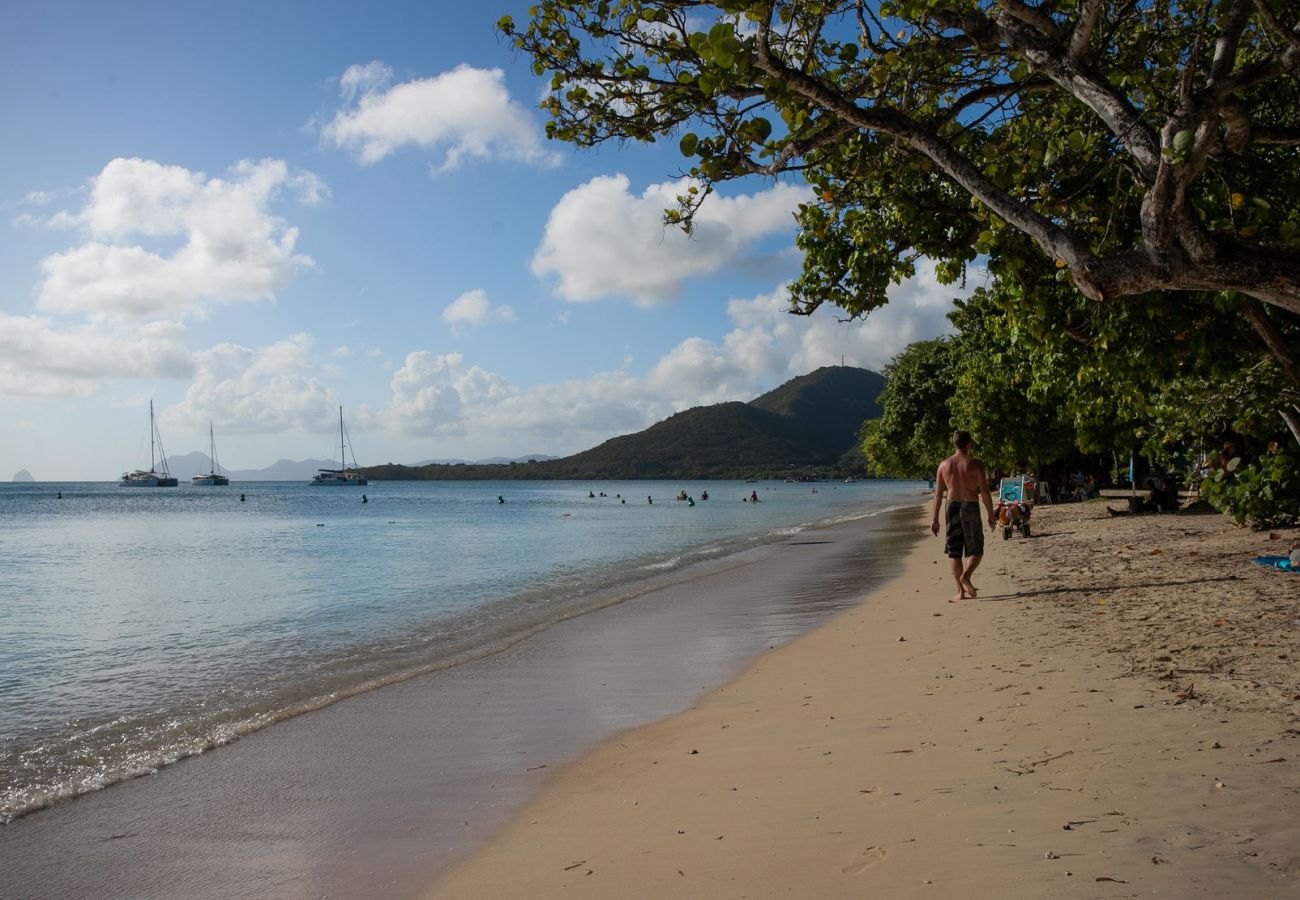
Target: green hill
(807, 426)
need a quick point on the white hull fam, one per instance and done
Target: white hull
(331, 479)
(147, 479)
(210, 480)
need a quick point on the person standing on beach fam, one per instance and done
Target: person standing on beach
(962, 477)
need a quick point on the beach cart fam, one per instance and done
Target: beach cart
(1015, 505)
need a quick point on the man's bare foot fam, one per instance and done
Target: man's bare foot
(968, 589)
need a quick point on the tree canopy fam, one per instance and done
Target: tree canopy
(1137, 145)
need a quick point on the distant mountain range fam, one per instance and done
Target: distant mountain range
(807, 426)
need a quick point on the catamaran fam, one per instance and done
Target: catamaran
(153, 477)
(343, 475)
(213, 477)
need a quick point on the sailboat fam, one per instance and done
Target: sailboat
(343, 475)
(152, 477)
(212, 478)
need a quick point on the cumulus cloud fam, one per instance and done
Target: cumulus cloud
(766, 346)
(265, 389)
(601, 240)
(474, 308)
(228, 247)
(38, 358)
(459, 114)
(431, 393)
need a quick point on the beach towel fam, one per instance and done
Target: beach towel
(1277, 562)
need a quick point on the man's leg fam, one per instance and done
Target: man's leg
(957, 578)
(972, 563)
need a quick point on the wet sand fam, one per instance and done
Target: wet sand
(371, 797)
(1002, 748)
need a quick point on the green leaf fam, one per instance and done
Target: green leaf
(689, 144)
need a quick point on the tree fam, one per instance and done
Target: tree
(1139, 147)
(914, 431)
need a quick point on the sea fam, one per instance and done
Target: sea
(141, 626)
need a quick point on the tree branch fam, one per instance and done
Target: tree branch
(1050, 237)
(1089, 16)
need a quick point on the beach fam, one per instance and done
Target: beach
(1115, 716)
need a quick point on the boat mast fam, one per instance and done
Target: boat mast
(152, 429)
(212, 450)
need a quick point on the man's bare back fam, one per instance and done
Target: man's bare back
(961, 476)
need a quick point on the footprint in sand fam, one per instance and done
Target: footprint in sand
(871, 856)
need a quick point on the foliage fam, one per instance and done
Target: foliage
(1135, 147)
(1038, 374)
(914, 430)
(1265, 493)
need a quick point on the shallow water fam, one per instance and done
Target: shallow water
(140, 626)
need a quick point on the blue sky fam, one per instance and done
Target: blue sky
(253, 213)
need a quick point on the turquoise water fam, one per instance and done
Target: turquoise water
(140, 626)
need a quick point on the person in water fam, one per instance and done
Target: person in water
(961, 477)
(753, 496)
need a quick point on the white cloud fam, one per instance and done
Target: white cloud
(602, 241)
(431, 393)
(766, 346)
(465, 112)
(266, 389)
(231, 248)
(474, 308)
(37, 358)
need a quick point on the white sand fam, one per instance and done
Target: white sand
(918, 747)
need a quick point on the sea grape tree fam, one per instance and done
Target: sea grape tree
(1140, 145)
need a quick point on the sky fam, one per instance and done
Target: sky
(255, 213)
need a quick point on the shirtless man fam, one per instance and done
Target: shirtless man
(963, 479)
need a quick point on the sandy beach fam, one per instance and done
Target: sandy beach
(1115, 716)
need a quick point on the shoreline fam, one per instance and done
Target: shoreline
(917, 747)
(412, 774)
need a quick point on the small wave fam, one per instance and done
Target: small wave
(671, 563)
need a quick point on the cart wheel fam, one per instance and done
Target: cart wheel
(1006, 533)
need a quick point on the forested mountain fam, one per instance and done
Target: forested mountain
(807, 426)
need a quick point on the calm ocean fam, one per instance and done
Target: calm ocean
(140, 626)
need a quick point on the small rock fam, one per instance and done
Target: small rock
(901, 638)
(1050, 854)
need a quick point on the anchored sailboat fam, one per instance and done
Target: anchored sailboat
(212, 478)
(343, 475)
(153, 477)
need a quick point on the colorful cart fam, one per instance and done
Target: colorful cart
(1015, 504)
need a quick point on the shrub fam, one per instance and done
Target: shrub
(1265, 493)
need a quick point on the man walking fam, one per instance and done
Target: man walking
(963, 479)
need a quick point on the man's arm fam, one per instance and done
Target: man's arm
(939, 488)
(987, 496)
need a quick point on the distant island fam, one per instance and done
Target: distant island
(22, 475)
(806, 428)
